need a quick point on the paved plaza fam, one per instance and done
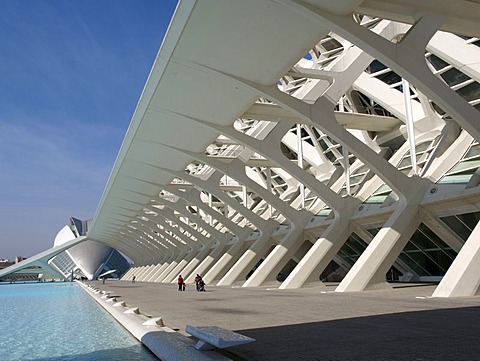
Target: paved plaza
(316, 324)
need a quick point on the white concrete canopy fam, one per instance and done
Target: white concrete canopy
(274, 141)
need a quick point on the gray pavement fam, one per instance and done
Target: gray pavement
(314, 323)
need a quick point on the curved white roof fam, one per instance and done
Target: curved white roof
(200, 83)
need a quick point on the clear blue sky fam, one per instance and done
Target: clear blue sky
(71, 73)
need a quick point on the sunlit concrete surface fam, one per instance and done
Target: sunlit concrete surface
(305, 324)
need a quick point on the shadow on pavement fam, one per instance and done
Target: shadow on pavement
(447, 334)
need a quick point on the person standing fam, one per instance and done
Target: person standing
(181, 284)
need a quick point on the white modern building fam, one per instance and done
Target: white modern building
(88, 259)
(279, 143)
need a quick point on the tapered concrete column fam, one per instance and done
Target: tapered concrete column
(250, 257)
(153, 269)
(195, 262)
(172, 273)
(367, 237)
(146, 274)
(173, 262)
(182, 262)
(135, 271)
(463, 277)
(167, 262)
(168, 269)
(211, 258)
(160, 267)
(370, 269)
(127, 275)
(140, 271)
(132, 273)
(225, 262)
(321, 253)
(277, 258)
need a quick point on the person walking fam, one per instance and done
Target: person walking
(198, 279)
(133, 279)
(181, 284)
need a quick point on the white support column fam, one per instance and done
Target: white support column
(135, 271)
(410, 128)
(154, 271)
(147, 273)
(250, 257)
(126, 276)
(177, 270)
(225, 210)
(171, 273)
(322, 251)
(158, 272)
(370, 269)
(225, 262)
(210, 217)
(244, 196)
(300, 161)
(167, 270)
(269, 188)
(279, 255)
(463, 277)
(140, 271)
(190, 267)
(203, 266)
(143, 272)
(346, 165)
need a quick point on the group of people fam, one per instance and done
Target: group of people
(199, 283)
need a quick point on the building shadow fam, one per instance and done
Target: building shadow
(447, 334)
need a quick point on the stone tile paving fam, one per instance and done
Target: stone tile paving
(315, 324)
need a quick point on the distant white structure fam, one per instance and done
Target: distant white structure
(88, 259)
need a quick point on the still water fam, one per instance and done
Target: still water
(59, 321)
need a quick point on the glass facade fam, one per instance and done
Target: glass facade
(64, 263)
(463, 170)
(462, 224)
(352, 249)
(117, 262)
(425, 254)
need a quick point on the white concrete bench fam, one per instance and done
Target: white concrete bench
(210, 337)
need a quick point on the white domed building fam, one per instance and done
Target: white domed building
(88, 259)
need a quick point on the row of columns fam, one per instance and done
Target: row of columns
(227, 267)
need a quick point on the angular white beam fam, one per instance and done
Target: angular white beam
(463, 277)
